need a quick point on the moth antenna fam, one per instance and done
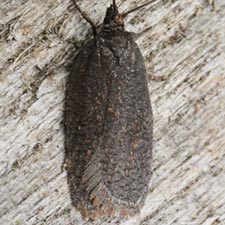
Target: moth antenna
(114, 4)
(137, 8)
(87, 18)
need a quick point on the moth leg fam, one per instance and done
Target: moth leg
(87, 18)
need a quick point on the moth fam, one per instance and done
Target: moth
(108, 122)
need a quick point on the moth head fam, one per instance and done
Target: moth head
(113, 19)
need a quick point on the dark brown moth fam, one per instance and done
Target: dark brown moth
(108, 123)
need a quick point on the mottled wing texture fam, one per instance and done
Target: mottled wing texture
(108, 127)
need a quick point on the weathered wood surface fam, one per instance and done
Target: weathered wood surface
(184, 41)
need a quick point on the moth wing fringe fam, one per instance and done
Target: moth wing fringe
(105, 204)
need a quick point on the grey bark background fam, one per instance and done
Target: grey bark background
(181, 40)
